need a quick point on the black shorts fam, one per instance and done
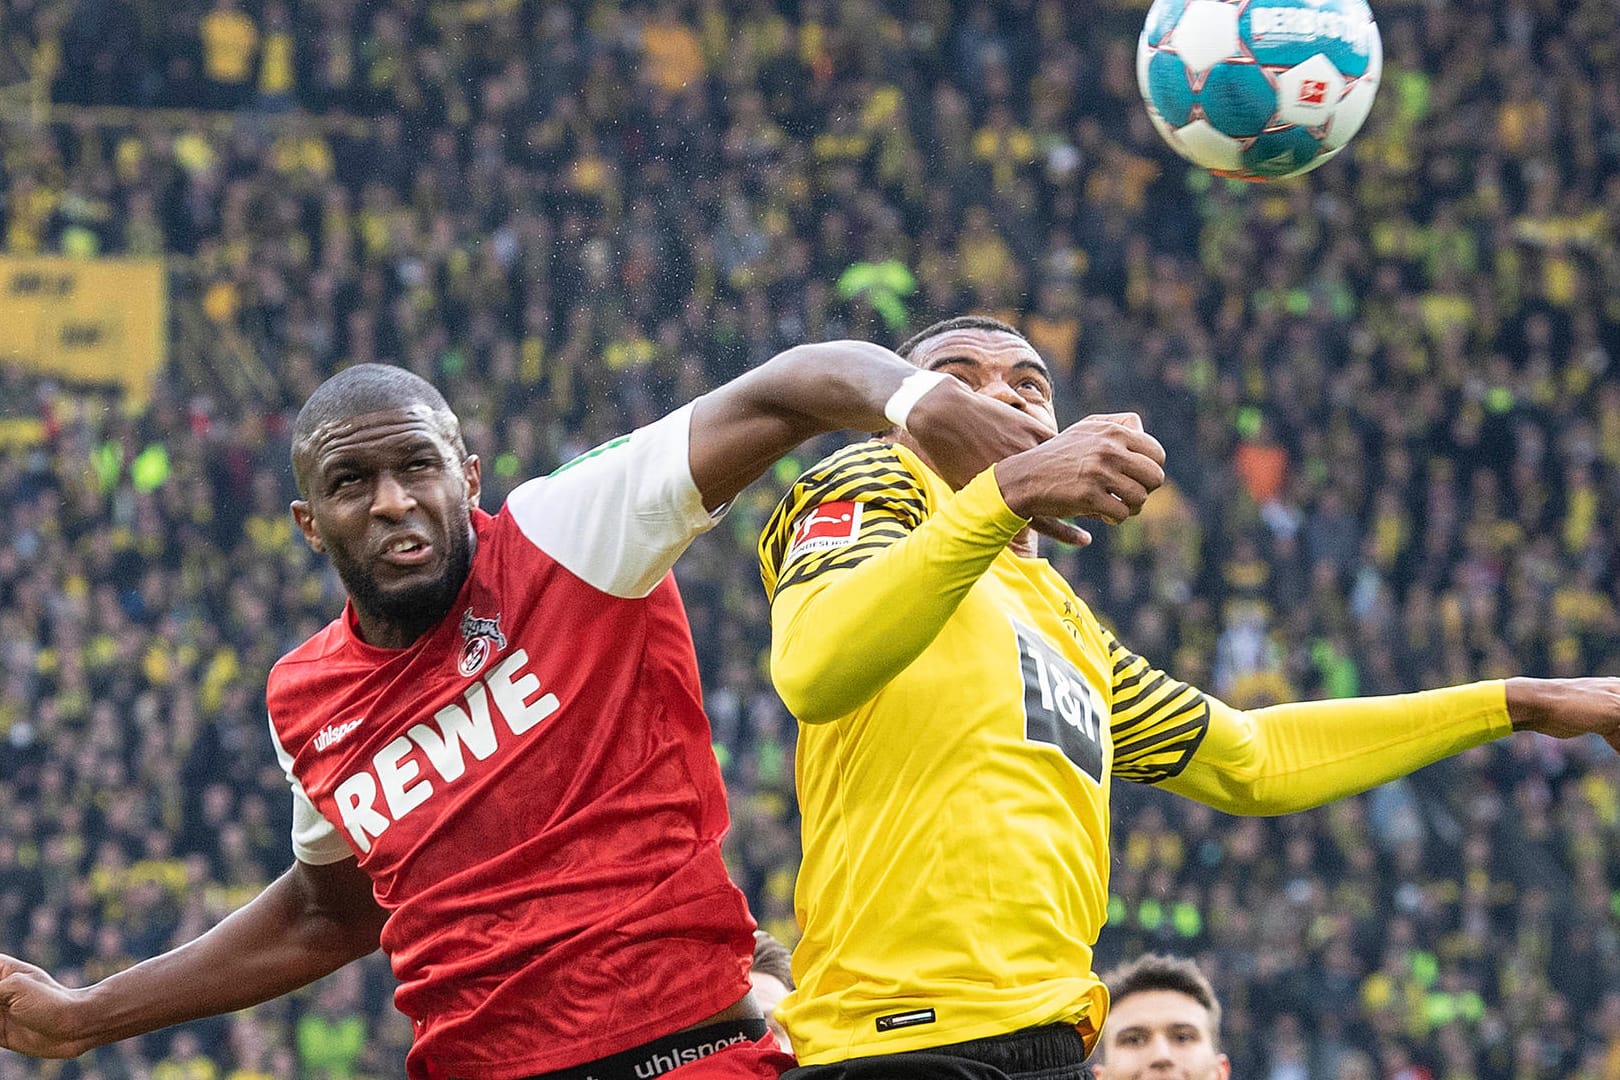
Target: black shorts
(666, 1054)
(1044, 1053)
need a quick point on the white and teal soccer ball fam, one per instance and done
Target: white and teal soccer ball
(1259, 89)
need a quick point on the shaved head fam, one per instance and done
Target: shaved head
(362, 389)
(387, 492)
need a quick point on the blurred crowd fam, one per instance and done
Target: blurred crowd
(1386, 393)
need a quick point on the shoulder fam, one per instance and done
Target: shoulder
(303, 678)
(871, 471)
(871, 457)
(862, 471)
(620, 515)
(319, 646)
(839, 500)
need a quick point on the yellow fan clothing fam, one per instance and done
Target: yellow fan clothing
(962, 715)
(229, 39)
(277, 71)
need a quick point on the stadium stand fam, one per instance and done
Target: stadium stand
(1394, 449)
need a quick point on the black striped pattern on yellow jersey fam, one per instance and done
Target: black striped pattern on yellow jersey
(1157, 722)
(870, 473)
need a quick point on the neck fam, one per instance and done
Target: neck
(1025, 545)
(386, 633)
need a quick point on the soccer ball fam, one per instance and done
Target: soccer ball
(1259, 89)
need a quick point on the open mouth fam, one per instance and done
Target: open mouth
(407, 551)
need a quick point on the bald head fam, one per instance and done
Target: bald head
(358, 391)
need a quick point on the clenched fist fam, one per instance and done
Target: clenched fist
(1102, 467)
(38, 1015)
(1566, 708)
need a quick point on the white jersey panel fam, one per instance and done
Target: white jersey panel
(619, 516)
(314, 839)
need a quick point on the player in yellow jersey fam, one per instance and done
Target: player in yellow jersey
(963, 714)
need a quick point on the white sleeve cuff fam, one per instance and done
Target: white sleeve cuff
(314, 839)
(620, 515)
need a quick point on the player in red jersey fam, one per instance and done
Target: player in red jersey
(500, 768)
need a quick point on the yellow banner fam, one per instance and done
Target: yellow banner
(87, 320)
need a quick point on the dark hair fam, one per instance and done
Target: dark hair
(1154, 971)
(367, 388)
(960, 322)
(771, 957)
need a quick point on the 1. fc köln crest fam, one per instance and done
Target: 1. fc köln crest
(483, 639)
(830, 525)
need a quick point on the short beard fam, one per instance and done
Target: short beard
(411, 612)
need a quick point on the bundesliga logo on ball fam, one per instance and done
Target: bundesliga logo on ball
(1259, 89)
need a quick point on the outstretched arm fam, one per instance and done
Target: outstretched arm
(311, 921)
(620, 515)
(1292, 757)
(1285, 758)
(741, 429)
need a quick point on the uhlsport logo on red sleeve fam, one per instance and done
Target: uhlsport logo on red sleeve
(830, 525)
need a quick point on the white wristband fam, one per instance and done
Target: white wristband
(912, 388)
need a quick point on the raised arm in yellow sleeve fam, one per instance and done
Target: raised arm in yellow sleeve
(1292, 757)
(1286, 757)
(838, 638)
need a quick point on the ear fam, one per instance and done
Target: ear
(304, 518)
(472, 470)
(1223, 1063)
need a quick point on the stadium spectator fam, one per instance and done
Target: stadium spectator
(230, 45)
(1163, 1019)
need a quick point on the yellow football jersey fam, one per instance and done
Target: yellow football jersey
(955, 868)
(962, 715)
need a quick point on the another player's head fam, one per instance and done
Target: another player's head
(772, 978)
(387, 490)
(1164, 1022)
(991, 357)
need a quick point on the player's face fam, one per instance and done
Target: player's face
(1160, 1035)
(993, 362)
(390, 500)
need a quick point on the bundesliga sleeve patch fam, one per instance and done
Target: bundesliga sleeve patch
(830, 525)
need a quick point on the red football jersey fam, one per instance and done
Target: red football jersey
(531, 785)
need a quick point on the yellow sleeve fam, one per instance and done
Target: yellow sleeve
(845, 621)
(868, 487)
(1292, 757)
(1156, 723)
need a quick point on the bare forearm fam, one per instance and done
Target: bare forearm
(1566, 708)
(277, 943)
(739, 430)
(742, 428)
(827, 386)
